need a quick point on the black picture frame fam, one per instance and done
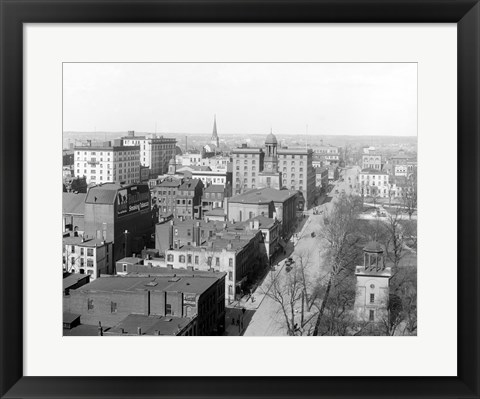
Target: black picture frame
(465, 13)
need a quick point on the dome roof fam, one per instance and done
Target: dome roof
(373, 246)
(271, 139)
(171, 162)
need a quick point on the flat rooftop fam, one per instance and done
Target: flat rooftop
(165, 325)
(263, 195)
(193, 283)
(88, 242)
(73, 279)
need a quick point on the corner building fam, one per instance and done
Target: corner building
(120, 214)
(107, 163)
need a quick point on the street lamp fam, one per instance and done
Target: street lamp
(126, 232)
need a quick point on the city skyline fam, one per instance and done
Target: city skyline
(372, 99)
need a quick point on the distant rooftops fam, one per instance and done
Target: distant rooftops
(244, 149)
(294, 151)
(371, 171)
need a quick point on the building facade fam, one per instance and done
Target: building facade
(372, 286)
(373, 182)
(372, 161)
(268, 202)
(238, 258)
(183, 294)
(121, 215)
(89, 256)
(108, 163)
(214, 196)
(155, 151)
(247, 163)
(189, 199)
(164, 197)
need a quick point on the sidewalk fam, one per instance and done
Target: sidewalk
(261, 290)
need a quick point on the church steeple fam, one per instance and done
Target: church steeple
(215, 140)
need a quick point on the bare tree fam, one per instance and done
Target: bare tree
(410, 195)
(394, 237)
(287, 290)
(338, 317)
(402, 307)
(375, 193)
(341, 233)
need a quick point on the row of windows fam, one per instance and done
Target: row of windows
(82, 251)
(188, 259)
(373, 177)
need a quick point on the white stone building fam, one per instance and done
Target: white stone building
(108, 163)
(372, 286)
(90, 256)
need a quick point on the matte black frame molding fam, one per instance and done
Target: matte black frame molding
(466, 13)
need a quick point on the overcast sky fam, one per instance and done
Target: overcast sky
(356, 99)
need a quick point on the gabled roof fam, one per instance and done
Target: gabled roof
(190, 184)
(372, 171)
(103, 194)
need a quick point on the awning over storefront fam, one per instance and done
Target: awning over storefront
(239, 283)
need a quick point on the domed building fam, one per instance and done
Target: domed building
(372, 287)
(274, 167)
(172, 167)
(270, 177)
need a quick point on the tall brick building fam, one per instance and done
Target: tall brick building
(121, 215)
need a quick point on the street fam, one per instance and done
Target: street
(269, 320)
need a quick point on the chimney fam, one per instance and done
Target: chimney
(251, 223)
(197, 234)
(229, 245)
(131, 133)
(256, 224)
(157, 332)
(139, 330)
(170, 235)
(122, 331)
(100, 329)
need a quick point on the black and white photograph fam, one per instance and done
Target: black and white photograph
(239, 199)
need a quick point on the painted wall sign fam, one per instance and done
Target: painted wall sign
(132, 199)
